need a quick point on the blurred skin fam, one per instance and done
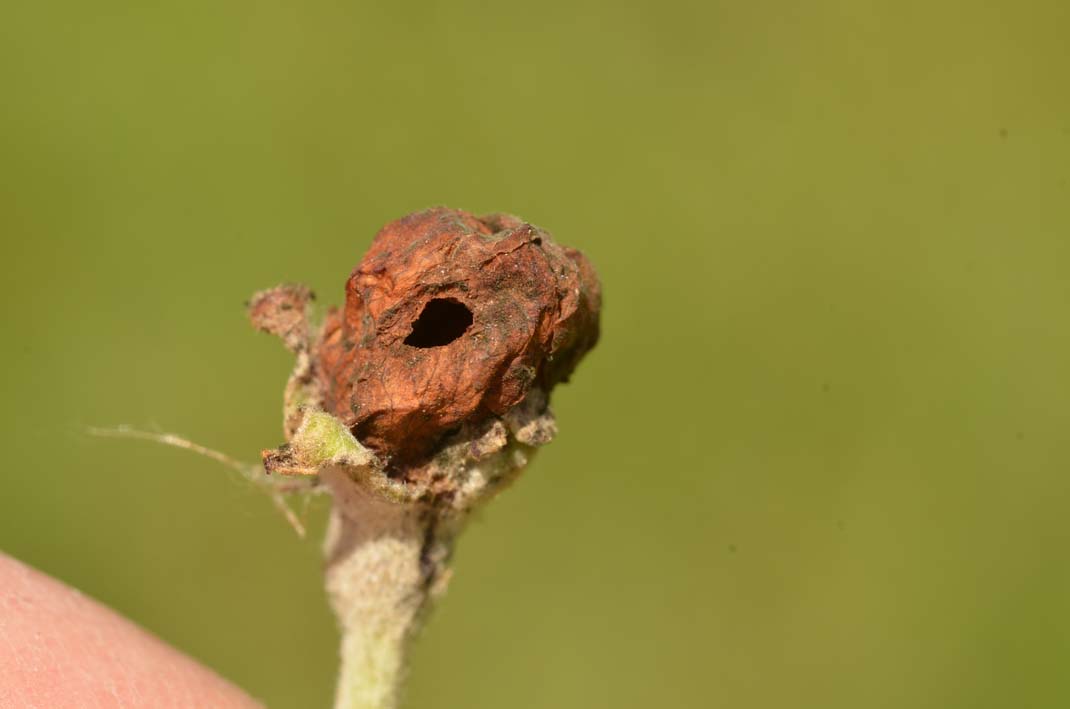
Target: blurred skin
(59, 648)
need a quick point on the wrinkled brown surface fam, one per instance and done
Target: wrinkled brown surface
(534, 307)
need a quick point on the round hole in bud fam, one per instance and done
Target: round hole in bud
(442, 321)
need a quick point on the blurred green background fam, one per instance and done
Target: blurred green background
(820, 458)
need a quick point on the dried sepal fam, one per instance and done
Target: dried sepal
(283, 311)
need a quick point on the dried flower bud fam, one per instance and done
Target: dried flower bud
(451, 319)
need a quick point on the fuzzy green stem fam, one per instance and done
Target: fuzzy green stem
(376, 588)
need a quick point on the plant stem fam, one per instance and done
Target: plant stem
(377, 588)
